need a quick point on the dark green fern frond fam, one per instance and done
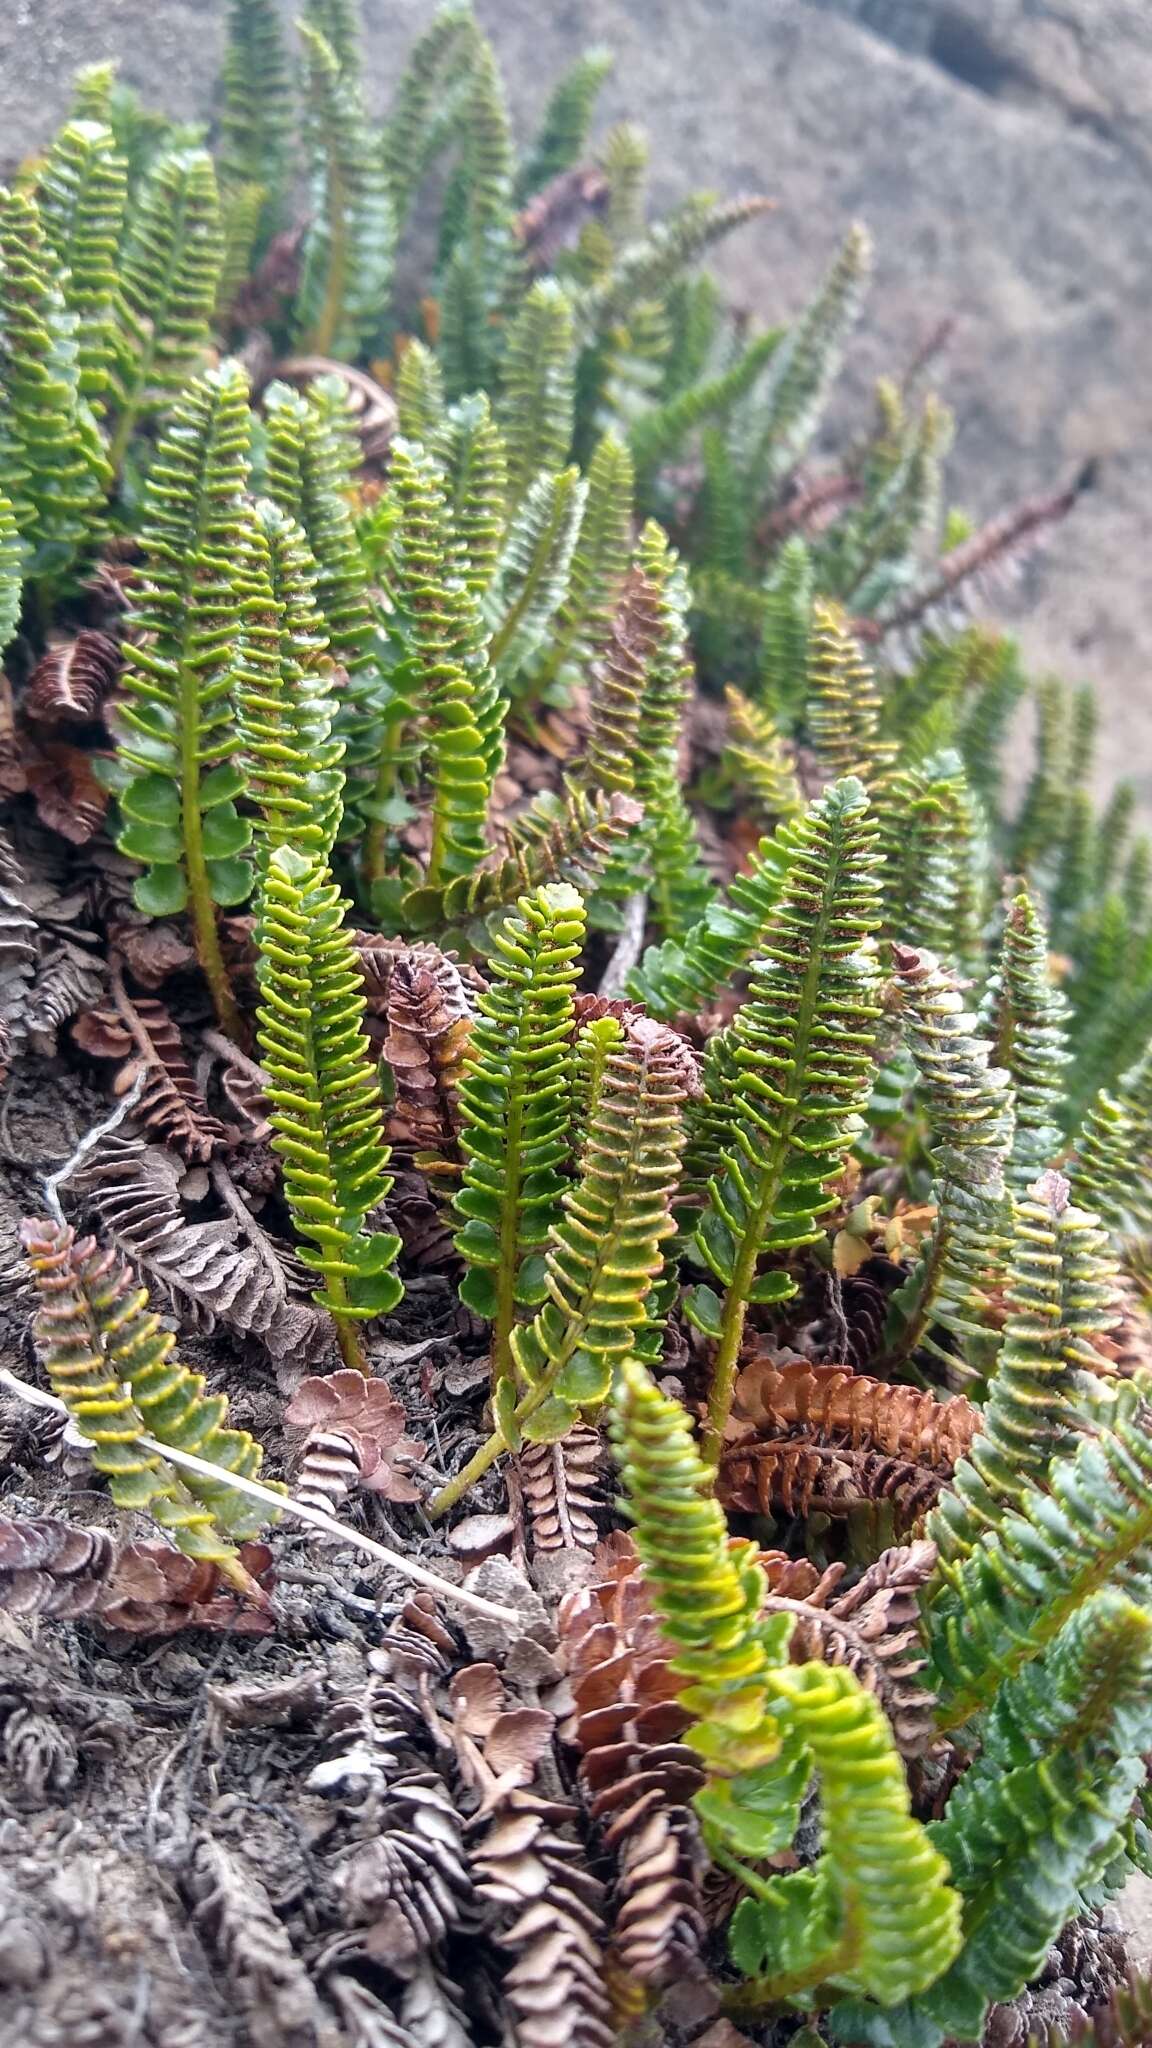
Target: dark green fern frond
(804, 367)
(326, 1108)
(446, 638)
(531, 579)
(480, 264)
(604, 1254)
(923, 828)
(1022, 1839)
(516, 1112)
(624, 162)
(92, 90)
(680, 977)
(1040, 823)
(284, 706)
(648, 266)
(801, 1069)
(1028, 1415)
(1001, 1606)
(538, 394)
(419, 395)
(875, 1913)
(113, 1366)
(660, 433)
(426, 108)
(1109, 1170)
(174, 721)
(564, 127)
(350, 242)
(81, 191)
(241, 210)
(257, 113)
(470, 448)
(338, 21)
(789, 591)
(843, 708)
(968, 1102)
(1001, 685)
(1025, 1016)
(679, 889)
(52, 463)
(169, 276)
(598, 567)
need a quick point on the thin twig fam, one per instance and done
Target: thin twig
(88, 1144)
(628, 947)
(296, 1510)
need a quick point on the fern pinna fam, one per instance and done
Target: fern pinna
(875, 1913)
(114, 1367)
(603, 1254)
(799, 1067)
(176, 778)
(326, 1109)
(516, 1111)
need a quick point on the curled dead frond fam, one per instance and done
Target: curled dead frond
(419, 992)
(874, 1629)
(789, 1476)
(142, 1034)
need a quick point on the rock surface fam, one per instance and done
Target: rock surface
(1001, 150)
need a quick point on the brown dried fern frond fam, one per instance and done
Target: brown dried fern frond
(636, 1777)
(561, 1493)
(354, 1438)
(874, 1630)
(49, 1567)
(850, 1408)
(72, 682)
(420, 993)
(795, 1476)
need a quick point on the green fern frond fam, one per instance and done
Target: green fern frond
(567, 118)
(968, 1101)
(480, 264)
(1028, 1415)
(11, 573)
(538, 390)
(113, 1366)
(338, 21)
(927, 822)
(308, 474)
(679, 889)
(516, 1112)
(1024, 1836)
(1114, 1141)
(680, 977)
(982, 729)
(1025, 1016)
(875, 1914)
(804, 367)
(420, 395)
(283, 675)
(648, 266)
(785, 635)
(572, 838)
(870, 557)
(844, 710)
(1039, 825)
(257, 113)
(694, 309)
(426, 108)
(82, 190)
(52, 462)
(447, 641)
(801, 1068)
(598, 567)
(618, 686)
(624, 162)
(997, 1609)
(758, 759)
(174, 720)
(1111, 838)
(241, 210)
(470, 448)
(326, 1108)
(349, 246)
(169, 276)
(92, 90)
(531, 579)
(660, 433)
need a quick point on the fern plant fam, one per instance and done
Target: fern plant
(81, 191)
(348, 251)
(177, 781)
(169, 277)
(326, 1108)
(798, 1067)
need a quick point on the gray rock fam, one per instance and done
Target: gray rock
(1001, 150)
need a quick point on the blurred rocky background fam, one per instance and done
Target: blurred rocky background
(1000, 150)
